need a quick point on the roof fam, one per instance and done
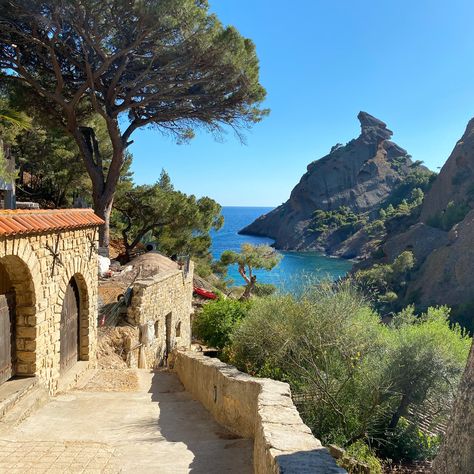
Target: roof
(32, 221)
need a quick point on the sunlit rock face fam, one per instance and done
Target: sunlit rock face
(360, 175)
(455, 182)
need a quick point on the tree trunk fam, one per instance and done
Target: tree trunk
(103, 208)
(401, 411)
(249, 288)
(457, 451)
(103, 187)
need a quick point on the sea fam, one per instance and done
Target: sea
(293, 268)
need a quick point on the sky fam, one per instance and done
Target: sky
(410, 63)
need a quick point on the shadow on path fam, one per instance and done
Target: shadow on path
(184, 420)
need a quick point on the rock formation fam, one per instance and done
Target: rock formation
(360, 175)
(442, 241)
(455, 182)
(446, 275)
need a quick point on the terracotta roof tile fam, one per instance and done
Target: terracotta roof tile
(33, 221)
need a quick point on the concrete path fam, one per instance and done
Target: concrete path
(157, 429)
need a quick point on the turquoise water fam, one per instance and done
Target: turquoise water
(293, 266)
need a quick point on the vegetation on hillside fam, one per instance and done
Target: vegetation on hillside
(353, 378)
(454, 213)
(385, 283)
(404, 201)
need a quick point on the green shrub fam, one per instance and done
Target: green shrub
(384, 282)
(216, 321)
(351, 376)
(264, 289)
(326, 345)
(408, 443)
(454, 213)
(202, 267)
(361, 453)
(375, 227)
(342, 217)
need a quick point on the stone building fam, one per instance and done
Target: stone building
(153, 295)
(48, 293)
(161, 306)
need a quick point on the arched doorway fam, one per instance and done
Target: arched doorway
(70, 327)
(17, 304)
(7, 327)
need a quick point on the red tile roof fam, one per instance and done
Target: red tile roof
(34, 221)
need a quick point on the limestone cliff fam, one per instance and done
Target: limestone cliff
(455, 182)
(442, 240)
(360, 175)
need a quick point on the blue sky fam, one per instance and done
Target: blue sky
(409, 63)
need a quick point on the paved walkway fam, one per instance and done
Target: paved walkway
(159, 428)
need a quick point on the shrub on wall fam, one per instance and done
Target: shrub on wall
(454, 213)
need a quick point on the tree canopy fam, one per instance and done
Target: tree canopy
(170, 64)
(249, 258)
(177, 222)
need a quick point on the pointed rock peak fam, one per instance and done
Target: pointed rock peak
(370, 124)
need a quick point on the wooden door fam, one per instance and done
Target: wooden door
(7, 337)
(69, 333)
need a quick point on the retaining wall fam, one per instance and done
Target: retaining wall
(260, 409)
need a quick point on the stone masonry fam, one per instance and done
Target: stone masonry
(41, 252)
(255, 408)
(161, 306)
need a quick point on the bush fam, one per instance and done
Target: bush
(454, 213)
(264, 289)
(321, 343)
(342, 217)
(425, 359)
(361, 453)
(408, 443)
(385, 281)
(352, 376)
(216, 321)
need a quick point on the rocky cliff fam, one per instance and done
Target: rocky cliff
(359, 176)
(454, 186)
(442, 241)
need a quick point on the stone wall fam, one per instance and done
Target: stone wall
(261, 409)
(164, 303)
(39, 282)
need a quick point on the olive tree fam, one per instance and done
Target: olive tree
(169, 64)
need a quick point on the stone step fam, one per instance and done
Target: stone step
(12, 391)
(26, 405)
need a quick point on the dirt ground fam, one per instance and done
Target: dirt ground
(112, 344)
(112, 380)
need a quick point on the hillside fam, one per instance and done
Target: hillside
(442, 240)
(340, 193)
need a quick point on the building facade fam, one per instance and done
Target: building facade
(48, 292)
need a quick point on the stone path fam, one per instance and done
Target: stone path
(49, 456)
(159, 428)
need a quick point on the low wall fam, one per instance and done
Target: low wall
(261, 409)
